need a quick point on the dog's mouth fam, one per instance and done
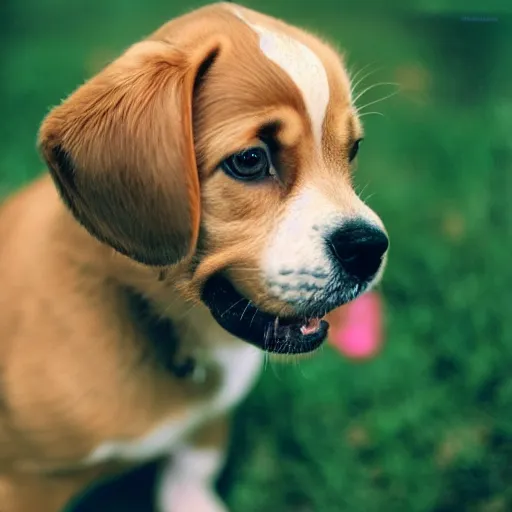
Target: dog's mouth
(237, 315)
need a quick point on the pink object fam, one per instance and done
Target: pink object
(356, 328)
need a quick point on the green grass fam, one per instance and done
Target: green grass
(427, 426)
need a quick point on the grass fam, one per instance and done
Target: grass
(427, 426)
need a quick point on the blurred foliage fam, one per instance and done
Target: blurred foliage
(427, 426)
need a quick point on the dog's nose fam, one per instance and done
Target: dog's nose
(359, 247)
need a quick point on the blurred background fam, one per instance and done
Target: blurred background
(426, 425)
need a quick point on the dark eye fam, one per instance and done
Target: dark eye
(250, 164)
(354, 150)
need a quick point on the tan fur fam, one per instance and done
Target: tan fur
(134, 154)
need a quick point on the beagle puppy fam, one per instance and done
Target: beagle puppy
(198, 212)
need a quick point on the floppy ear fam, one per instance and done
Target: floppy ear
(121, 152)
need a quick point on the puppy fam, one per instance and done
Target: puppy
(198, 212)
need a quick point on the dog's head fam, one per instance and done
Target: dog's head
(224, 143)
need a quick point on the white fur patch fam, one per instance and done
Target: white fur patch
(302, 66)
(240, 363)
(297, 265)
(186, 482)
(152, 445)
(296, 262)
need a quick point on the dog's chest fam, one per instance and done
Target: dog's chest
(240, 365)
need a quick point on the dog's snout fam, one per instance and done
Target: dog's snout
(358, 247)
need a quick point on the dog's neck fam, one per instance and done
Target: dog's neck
(150, 296)
(163, 343)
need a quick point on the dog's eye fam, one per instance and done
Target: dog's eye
(250, 164)
(354, 150)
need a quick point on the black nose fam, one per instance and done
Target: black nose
(358, 247)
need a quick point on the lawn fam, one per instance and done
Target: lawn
(427, 425)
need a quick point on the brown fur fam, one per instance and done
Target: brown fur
(134, 154)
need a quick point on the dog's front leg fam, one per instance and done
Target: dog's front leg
(187, 481)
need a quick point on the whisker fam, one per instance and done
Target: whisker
(232, 306)
(245, 309)
(352, 73)
(287, 343)
(361, 192)
(353, 76)
(369, 113)
(394, 93)
(187, 312)
(170, 304)
(253, 317)
(301, 369)
(366, 199)
(369, 88)
(266, 336)
(370, 73)
(266, 359)
(279, 350)
(272, 365)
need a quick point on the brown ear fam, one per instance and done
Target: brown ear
(121, 152)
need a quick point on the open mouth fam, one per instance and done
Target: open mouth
(243, 319)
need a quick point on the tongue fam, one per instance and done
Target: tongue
(356, 328)
(310, 327)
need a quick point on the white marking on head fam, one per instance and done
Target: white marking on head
(303, 66)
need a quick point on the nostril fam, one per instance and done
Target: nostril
(359, 247)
